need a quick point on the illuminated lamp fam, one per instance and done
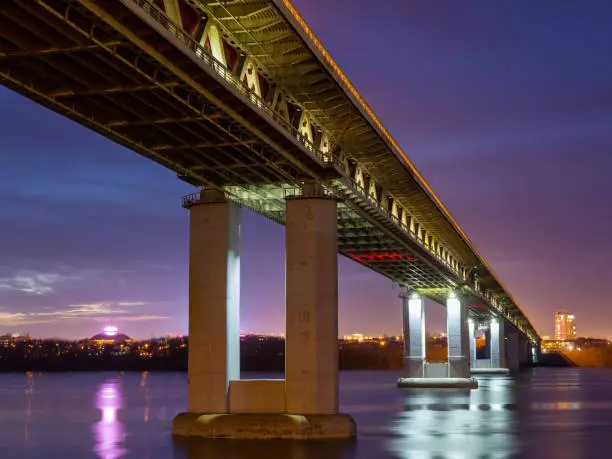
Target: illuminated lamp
(110, 330)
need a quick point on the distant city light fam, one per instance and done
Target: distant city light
(110, 330)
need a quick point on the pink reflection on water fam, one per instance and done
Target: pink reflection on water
(108, 431)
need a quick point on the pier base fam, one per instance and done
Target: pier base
(441, 383)
(490, 371)
(264, 426)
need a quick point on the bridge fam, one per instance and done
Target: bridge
(240, 99)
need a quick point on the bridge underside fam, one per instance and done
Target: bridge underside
(108, 68)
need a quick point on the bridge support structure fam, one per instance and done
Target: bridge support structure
(417, 371)
(495, 361)
(304, 405)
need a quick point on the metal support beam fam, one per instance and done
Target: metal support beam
(59, 50)
(202, 146)
(110, 90)
(212, 33)
(173, 10)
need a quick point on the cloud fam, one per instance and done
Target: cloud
(132, 303)
(83, 310)
(97, 310)
(39, 283)
(143, 317)
(18, 318)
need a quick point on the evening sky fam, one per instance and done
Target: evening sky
(505, 107)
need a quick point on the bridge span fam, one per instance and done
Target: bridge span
(240, 98)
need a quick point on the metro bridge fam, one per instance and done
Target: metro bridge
(239, 97)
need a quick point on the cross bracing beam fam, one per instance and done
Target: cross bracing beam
(267, 26)
(242, 12)
(34, 52)
(145, 122)
(198, 146)
(295, 60)
(271, 39)
(281, 49)
(110, 90)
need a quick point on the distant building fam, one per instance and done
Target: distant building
(565, 328)
(358, 337)
(8, 340)
(110, 336)
(554, 345)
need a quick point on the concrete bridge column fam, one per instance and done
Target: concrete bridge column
(512, 350)
(472, 338)
(305, 404)
(413, 307)
(458, 337)
(525, 354)
(498, 343)
(214, 302)
(455, 373)
(311, 356)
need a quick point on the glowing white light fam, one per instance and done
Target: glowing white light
(109, 415)
(110, 330)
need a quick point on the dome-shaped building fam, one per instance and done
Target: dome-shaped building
(111, 335)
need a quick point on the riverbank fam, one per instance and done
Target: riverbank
(597, 357)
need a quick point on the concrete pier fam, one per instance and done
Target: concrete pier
(472, 338)
(304, 405)
(512, 350)
(413, 307)
(420, 374)
(214, 302)
(311, 368)
(458, 337)
(496, 344)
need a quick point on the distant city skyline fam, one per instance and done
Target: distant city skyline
(508, 120)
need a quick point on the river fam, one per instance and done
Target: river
(542, 413)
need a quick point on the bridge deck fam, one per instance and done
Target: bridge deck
(130, 74)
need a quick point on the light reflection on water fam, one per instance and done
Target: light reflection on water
(542, 413)
(458, 424)
(109, 431)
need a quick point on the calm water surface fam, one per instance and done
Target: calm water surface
(542, 413)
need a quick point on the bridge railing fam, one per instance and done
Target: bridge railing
(256, 205)
(228, 76)
(380, 207)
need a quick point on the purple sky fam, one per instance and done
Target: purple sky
(505, 107)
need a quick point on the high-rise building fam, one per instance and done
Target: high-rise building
(564, 326)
